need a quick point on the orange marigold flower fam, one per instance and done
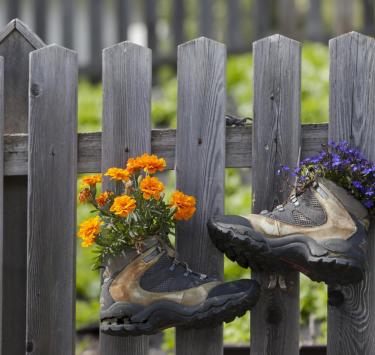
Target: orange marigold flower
(184, 204)
(103, 198)
(123, 205)
(84, 195)
(118, 174)
(92, 179)
(151, 163)
(89, 230)
(133, 165)
(151, 187)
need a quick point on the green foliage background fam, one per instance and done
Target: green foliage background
(238, 192)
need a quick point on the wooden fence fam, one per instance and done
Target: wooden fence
(90, 25)
(42, 154)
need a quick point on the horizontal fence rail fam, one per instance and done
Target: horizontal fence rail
(238, 142)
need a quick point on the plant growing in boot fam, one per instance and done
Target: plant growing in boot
(321, 230)
(146, 288)
(137, 212)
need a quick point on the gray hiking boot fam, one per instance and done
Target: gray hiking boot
(321, 233)
(143, 294)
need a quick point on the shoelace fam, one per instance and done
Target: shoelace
(293, 198)
(188, 271)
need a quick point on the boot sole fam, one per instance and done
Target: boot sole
(251, 249)
(161, 315)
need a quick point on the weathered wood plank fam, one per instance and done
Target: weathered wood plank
(238, 145)
(52, 179)
(127, 70)
(16, 41)
(200, 150)
(2, 252)
(276, 141)
(351, 325)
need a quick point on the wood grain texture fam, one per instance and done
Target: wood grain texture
(276, 141)
(127, 70)
(351, 326)
(200, 163)
(2, 252)
(238, 148)
(52, 180)
(16, 42)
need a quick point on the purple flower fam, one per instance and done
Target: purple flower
(368, 203)
(357, 185)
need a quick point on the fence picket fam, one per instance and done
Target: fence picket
(276, 141)
(16, 42)
(351, 325)
(127, 70)
(52, 179)
(200, 151)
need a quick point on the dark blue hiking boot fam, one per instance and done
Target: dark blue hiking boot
(143, 294)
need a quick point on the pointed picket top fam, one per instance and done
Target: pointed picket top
(55, 48)
(127, 46)
(18, 26)
(277, 38)
(201, 41)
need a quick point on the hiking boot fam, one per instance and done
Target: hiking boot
(148, 292)
(321, 232)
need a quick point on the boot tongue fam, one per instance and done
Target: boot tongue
(117, 263)
(351, 204)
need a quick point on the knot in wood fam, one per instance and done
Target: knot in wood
(35, 89)
(335, 298)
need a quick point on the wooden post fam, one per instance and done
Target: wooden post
(351, 324)
(52, 184)
(200, 151)
(2, 252)
(276, 141)
(16, 42)
(127, 70)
